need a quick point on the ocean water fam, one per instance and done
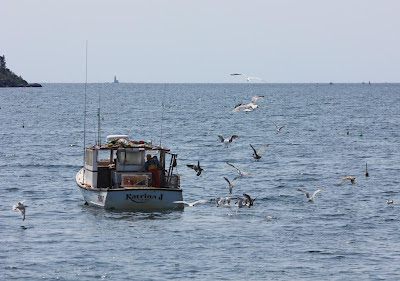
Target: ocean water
(348, 232)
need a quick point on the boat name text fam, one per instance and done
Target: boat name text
(143, 198)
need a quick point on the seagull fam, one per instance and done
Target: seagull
(255, 153)
(21, 208)
(241, 173)
(191, 204)
(248, 78)
(197, 168)
(228, 200)
(352, 179)
(220, 202)
(247, 200)
(227, 141)
(248, 107)
(279, 128)
(239, 202)
(309, 199)
(230, 184)
(224, 201)
(389, 201)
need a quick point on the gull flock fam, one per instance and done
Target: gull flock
(245, 200)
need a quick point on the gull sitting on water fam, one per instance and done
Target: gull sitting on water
(350, 178)
(389, 201)
(256, 153)
(248, 78)
(248, 107)
(240, 202)
(230, 184)
(241, 173)
(224, 201)
(279, 128)
(309, 199)
(197, 168)
(227, 141)
(191, 204)
(21, 208)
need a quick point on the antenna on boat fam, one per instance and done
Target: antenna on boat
(162, 114)
(84, 111)
(98, 124)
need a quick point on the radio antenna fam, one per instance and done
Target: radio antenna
(162, 113)
(84, 109)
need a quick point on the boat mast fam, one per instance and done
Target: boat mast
(84, 111)
(98, 124)
(162, 115)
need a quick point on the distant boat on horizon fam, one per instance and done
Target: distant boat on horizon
(115, 79)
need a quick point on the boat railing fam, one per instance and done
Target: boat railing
(172, 165)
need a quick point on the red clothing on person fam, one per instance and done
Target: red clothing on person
(152, 167)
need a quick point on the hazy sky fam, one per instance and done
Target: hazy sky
(202, 41)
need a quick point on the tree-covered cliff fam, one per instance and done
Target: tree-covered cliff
(10, 79)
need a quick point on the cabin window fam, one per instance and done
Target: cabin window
(89, 157)
(130, 157)
(104, 157)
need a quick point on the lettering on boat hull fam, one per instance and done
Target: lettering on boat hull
(100, 198)
(143, 198)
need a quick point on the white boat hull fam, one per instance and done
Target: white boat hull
(133, 198)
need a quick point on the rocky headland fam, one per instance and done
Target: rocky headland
(10, 79)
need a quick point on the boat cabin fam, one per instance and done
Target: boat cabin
(120, 163)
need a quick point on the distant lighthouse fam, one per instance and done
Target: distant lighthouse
(115, 79)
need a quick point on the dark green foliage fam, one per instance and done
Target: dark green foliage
(9, 78)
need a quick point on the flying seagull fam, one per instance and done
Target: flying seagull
(309, 199)
(197, 168)
(21, 208)
(191, 204)
(248, 107)
(249, 78)
(241, 173)
(230, 184)
(279, 128)
(352, 179)
(227, 141)
(248, 200)
(256, 153)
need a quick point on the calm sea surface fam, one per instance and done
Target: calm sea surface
(349, 232)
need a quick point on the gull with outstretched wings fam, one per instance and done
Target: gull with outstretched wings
(197, 168)
(350, 178)
(279, 128)
(256, 153)
(310, 198)
(248, 107)
(21, 208)
(191, 204)
(248, 78)
(240, 172)
(227, 141)
(230, 184)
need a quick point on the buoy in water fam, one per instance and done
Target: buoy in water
(366, 170)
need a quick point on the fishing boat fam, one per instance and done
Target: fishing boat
(113, 176)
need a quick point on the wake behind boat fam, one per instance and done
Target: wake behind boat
(116, 176)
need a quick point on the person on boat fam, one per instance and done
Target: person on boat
(152, 165)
